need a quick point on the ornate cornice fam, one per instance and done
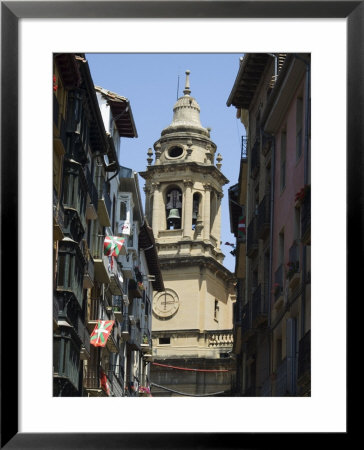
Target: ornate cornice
(194, 167)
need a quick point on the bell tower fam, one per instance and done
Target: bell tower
(192, 318)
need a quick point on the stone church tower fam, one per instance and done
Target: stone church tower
(192, 318)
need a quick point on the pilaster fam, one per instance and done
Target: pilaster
(187, 220)
(206, 211)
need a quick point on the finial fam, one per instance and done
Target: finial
(150, 156)
(187, 90)
(219, 159)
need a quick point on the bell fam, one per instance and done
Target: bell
(173, 214)
(194, 215)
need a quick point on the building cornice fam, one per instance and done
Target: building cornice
(192, 166)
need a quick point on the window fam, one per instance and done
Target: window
(173, 208)
(164, 341)
(195, 208)
(216, 310)
(283, 160)
(122, 211)
(175, 152)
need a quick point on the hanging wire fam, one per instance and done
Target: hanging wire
(188, 395)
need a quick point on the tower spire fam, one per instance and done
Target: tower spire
(187, 90)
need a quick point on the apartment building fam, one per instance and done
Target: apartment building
(272, 199)
(91, 284)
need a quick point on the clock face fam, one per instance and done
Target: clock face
(166, 304)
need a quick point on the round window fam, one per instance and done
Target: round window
(174, 152)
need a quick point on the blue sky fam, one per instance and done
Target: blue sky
(150, 81)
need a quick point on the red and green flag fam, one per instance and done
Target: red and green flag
(113, 245)
(101, 333)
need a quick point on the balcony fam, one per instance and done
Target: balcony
(91, 382)
(101, 264)
(116, 383)
(55, 309)
(125, 328)
(116, 278)
(70, 272)
(117, 307)
(92, 196)
(135, 339)
(126, 266)
(146, 343)
(66, 359)
(112, 342)
(104, 207)
(84, 336)
(259, 306)
(263, 218)
(252, 239)
(58, 218)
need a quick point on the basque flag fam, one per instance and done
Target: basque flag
(101, 333)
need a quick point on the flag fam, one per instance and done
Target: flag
(104, 382)
(241, 227)
(112, 245)
(101, 332)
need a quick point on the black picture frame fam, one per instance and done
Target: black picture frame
(11, 12)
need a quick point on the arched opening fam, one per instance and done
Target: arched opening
(196, 208)
(173, 208)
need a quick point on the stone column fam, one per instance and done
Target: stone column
(158, 209)
(206, 212)
(187, 215)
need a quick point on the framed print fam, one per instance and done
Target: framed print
(24, 235)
